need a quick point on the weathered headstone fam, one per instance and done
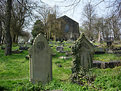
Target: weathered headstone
(41, 60)
(59, 49)
(2, 47)
(109, 43)
(68, 53)
(23, 48)
(101, 64)
(117, 50)
(27, 57)
(110, 51)
(50, 42)
(21, 44)
(63, 57)
(83, 52)
(17, 51)
(99, 50)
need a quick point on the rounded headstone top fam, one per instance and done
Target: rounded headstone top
(40, 43)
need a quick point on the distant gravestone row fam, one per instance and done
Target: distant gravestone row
(111, 64)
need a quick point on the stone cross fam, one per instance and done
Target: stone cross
(40, 60)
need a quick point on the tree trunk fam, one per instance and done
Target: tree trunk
(2, 39)
(8, 40)
(98, 37)
(13, 38)
(16, 40)
(0, 32)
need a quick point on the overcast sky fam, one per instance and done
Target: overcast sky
(76, 14)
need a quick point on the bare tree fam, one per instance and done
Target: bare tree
(25, 35)
(115, 26)
(43, 11)
(117, 7)
(107, 29)
(2, 19)
(102, 28)
(8, 39)
(89, 14)
(19, 14)
(98, 27)
(14, 15)
(0, 31)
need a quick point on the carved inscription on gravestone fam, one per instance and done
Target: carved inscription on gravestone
(40, 45)
(41, 60)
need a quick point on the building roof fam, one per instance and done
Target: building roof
(67, 18)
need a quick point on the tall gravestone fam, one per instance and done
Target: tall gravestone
(40, 60)
(83, 52)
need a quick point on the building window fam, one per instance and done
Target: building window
(66, 28)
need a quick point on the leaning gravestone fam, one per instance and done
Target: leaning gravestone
(40, 61)
(83, 52)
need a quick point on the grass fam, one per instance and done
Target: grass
(108, 79)
(107, 57)
(13, 68)
(14, 74)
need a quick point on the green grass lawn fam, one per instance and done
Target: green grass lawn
(107, 57)
(14, 74)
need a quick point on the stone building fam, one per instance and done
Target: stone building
(69, 27)
(63, 28)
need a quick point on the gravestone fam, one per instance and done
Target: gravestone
(21, 44)
(23, 48)
(17, 51)
(68, 53)
(40, 60)
(83, 52)
(101, 64)
(63, 57)
(109, 43)
(117, 50)
(2, 47)
(50, 42)
(99, 50)
(59, 49)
